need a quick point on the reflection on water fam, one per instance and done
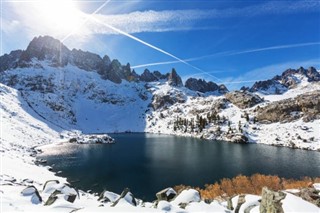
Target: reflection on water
(147, 163)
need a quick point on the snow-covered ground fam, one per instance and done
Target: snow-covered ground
(296, 134)
(73, 99)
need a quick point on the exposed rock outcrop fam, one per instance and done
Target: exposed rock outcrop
(147, 76)
(289, 77)
(166, 194)
(236, 138)
(160, 101)
(269, 86)
(174, 79)
(243, 99)
(126, 196)
(271, 201)
(311, 195)
(306, 106)
(201, 85)
(86, 60)
(9, 61)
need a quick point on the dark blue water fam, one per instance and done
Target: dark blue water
(147, 163)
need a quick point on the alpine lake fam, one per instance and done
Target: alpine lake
(148, 163)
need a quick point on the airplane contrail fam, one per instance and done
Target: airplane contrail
(230, 53)
(153, 47)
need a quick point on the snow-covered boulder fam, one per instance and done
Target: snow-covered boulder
(107, 196)
(164, 206)
(125, 198)
(33, 192)
(166, 194)
(187, 196)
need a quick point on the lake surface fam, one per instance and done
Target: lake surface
(147, 163)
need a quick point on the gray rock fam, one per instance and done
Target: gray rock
(128, 196)
(306, 106)
(243, 99)
(160, 101)
(311, 195)
(166, 194)
(241, 200)
(271, 201)
(236, 138)
(219, 105)
(229, 204)
(52, 198)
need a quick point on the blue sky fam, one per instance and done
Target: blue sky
(230, 42)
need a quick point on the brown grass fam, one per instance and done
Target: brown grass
(249, 185)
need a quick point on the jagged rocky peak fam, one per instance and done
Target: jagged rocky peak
(46, 48)
(269, 86)
(147, 76)
(201, 85)
(174, 79)
(290, 77)
(287, 80)
(223, 89)
(86, 60)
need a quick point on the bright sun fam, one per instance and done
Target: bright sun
(60, 15)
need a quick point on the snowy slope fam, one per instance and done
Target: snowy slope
(72, 99)
(68, 98)
(306, 135)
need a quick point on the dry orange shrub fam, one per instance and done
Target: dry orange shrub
(296, 184)
(211, 191)
(249, 185)
(243, 185)
(259, 181)
(227, 186)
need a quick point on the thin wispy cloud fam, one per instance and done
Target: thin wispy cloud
(153, 47)
(231, 53)
(165, 20)
(275, 48)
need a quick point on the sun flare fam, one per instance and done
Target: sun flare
(62, 16)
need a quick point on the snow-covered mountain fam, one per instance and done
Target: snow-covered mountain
(48, 91)
(77, 90)
(289, 79)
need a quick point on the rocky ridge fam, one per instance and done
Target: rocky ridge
(46, 48)
(201, 85)
(155, 102)
(287, 80)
